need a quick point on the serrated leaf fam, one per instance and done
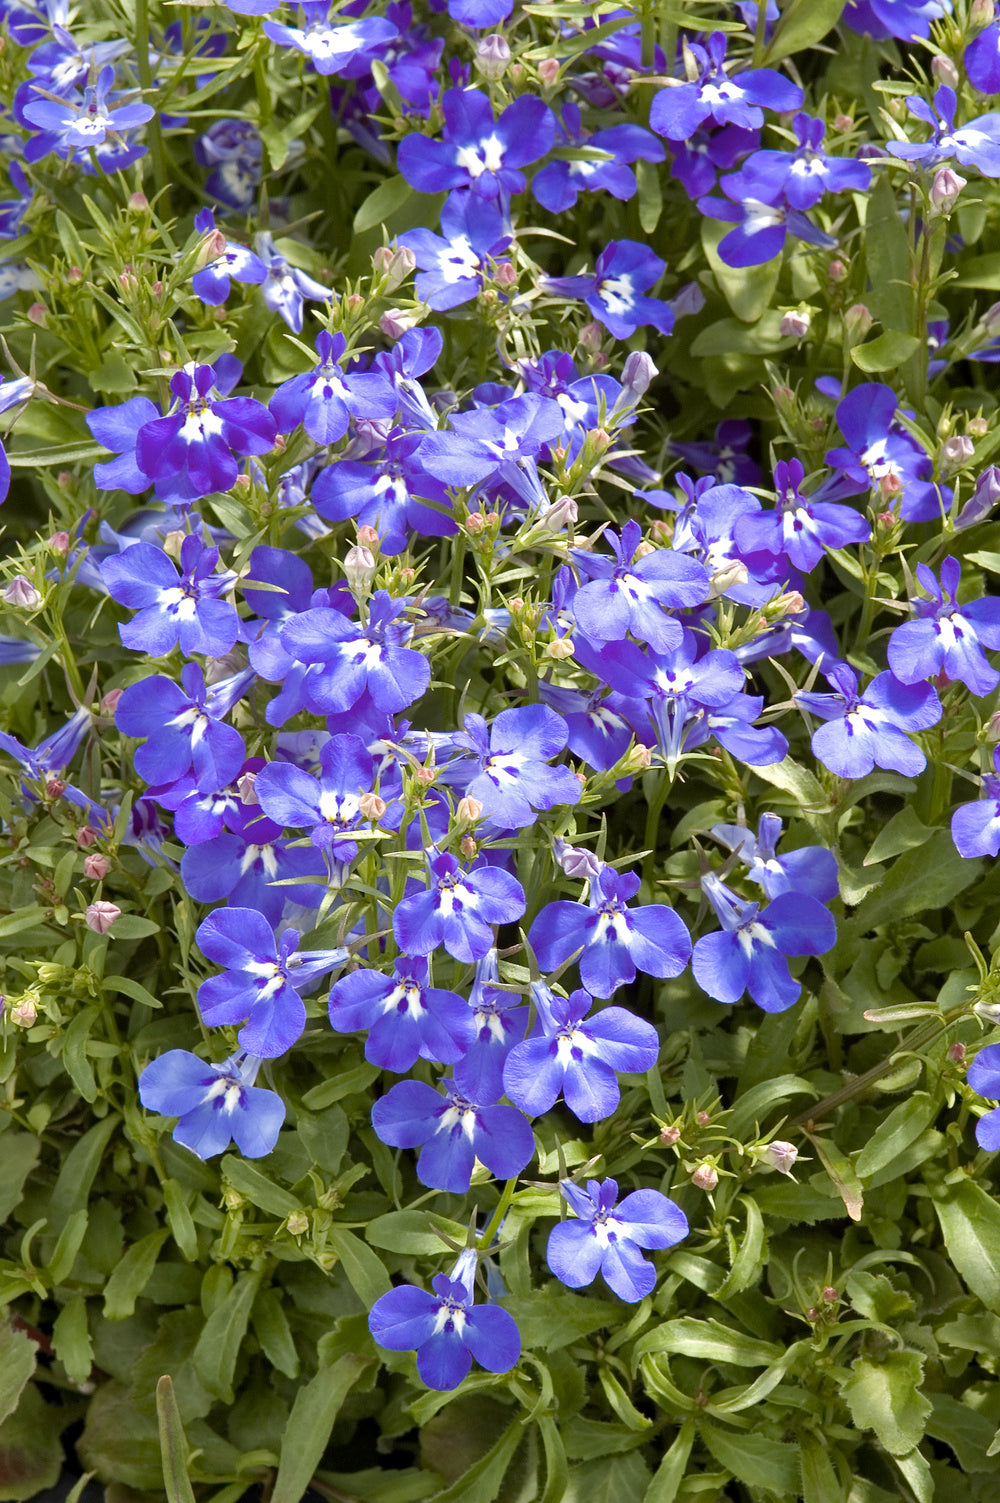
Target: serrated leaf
(885, 1397)
(754, 1460)
(17, 1363)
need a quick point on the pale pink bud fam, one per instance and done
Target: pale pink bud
(830, 1296)
(956, 451)
(791, 603)
(890, 484)
(843, 123)
(956, 1053)
(23, 1012)
(946, 187)
(980, 13)
(886, 519)
(560, 515)
(560, 649)
(493, 56)
(101, 915)
(246, 787)
(779, 1155)
(474, 523)
(96, 867)
(705, 1177)
(645, 549)
(426, 775)
(110, 701)
(21, 592)
(354, 301)
(836, 271)
(505, 275)
(638, 758)
(703, 1118)
(730, 575)
(993, 728)
(858, 321)
(368, 537)
(395, 265)
(138, 203)
(55, 788)
(59, 542)
(85, 837)
(670, 1136)
(944, 70)
(977, 427)
(796, 323)
(371, 806)
(468, 847)
(74, 276)
(38, 313)
(359, 569)
(591, 337)
(395, 322)
(575, 861)
(469, 810)
(548, 71)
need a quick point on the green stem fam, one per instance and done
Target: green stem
(153, 131)
(498, 1215)
(653, 813)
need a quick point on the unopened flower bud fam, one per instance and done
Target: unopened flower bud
(371, 806)
(23, 1012)
(74, 276)
(493, 56)
(55, 788)
(731, 574)
(85, 837)
(395, 265)
(575, 861)
(96, 867)
(982, 501)
(638, 758)
(243, 485)
(957, 1053)
(359, 569)
(791, 603)
(38, 313)
(138, 203)
(830, 1296)
(955, 452)
(591, 337)
(505, 275)
(946, 188)
(516, 74)
(560, 648)
(173, 542)
(670, 1135)
(395, 322)
(796, 323)
(977, 427)
(59, 542)
(991, 730)
(109, 702)
(407, 576)
(857, 321)
(468, 847)
(990, 321)
(779, 1155)
(944, 70)
(560, 515)
(21, 592)
(980, 13)
(354, 301)
(548, 71)
(843, 123)
(988, 1011)
(703, 1118)
(232, 1199)
(638, 373)
(297, 1223)
(644, 549)
(246, 787)
(886, 519)
(469, 810)
(101, 915)
(836, 271)
(426, 775)
(890, 484)
(474, 523)
(706, 1176)
(784, 400)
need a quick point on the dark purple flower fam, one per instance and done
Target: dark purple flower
(804, 175)
(499, 1022)
(453, 1131)
(724, 457)
(558, 185)
(748, 953)
(252, 864)
(216, 1104)
(607, 1237)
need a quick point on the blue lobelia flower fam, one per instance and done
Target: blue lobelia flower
(748, 953)
(499, 1022)
(615, 294)
(454, 266)
(763, 221)
(625, 594)
(724, 456)
(597, 733)
(453, 1131)
(804, 175)
(445, 1328)
(811, 869)
(476, 150)
(181, 730)
(975, 827)
(391, 492)
(697, 162)
(559, 184)
(236, 263)
(984, 1077)
(457, 910)
(718, 99)
(974, 144)
(249, 864)
(406, 1019)
(615, 940)
(78, 121)
(606, 1237)
(496, 444)
(982, 58)
(329, 807)
(234, 151)
(577, 1056)
(174, 609)
(325, 399)
(354, 658)
(946, 636)
(800, 528)
(877, 452)
(871, 729)
(904, 19)
(514, 780)
(410, 358)
(262, 979)
(216, 1104)
(329, 41)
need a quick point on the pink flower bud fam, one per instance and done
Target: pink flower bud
(957, 1053)
(21, 592)
(944, 70)
(796, 323)
(395, 265)
(505, 275)
(548, 71)
(779, 1155)
(955, 452)
(843, 123)
(359, 569)
(670, 1136)
(55, 788)
(981, 13)
(575, 861)
(857, 321)
(96, 867)
(474, 523)
(110, 701)
(138, 203)
(703, 1118)
(638, 758)
(59, 542)
(493, 56)
(705, 1176)
(246, 787)
(395, 322)
(560, 515)
(468, 847)
(591, 337)
(426, 775)
(830, 1296)
(85, 837)
(469, 810)
(38, 313)
(371, 806)
(23, 1012)
(731, 574)
(836, 271)
(946, 188)
(101, 915)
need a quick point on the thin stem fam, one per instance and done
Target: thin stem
(144, 67)
(498, 1215)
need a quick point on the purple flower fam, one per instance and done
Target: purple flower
(982, 59)
(578, 1057)
(329, 807)
(763, 221)
(285, 287)
(558, 185)
(984, 1077)
(455, 264)
(212, 282)
(946, 636)
(801, 527)
(715, 97)
(904, 19)
(497, 444)
(748, 953)
(477, 151)
(724, 456)
(445, 1329)
(262, 979)
(407, 1019)
(616, 941)
(606, 1237)
(78, 121)
(453, 1131)
(597, 733)
(625, 595)
(392, 493)
(173, 609)
(698, 160)
(803, 176)
(328, 41)
(324, 399)
(457, 910)
(233, 149)
(870, 730)
(182, 731)
(975, 827)
(974, 144)
(514, 780)
(877, 452)
(811, 869)
(499, 1022)
(216, 1104)
(354, 659)
(615, 293)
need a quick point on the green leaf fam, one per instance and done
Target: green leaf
(820, 1483)
(552, 1318)
(173, 1444)
(650, 194)
(887, 251)
(885, 1397)
(67, 1246)
(72, 1189)
(71, 1339)
(753, 1459)
(219, 1343)
(803, 23)
(18, 1156)
(412, 1232)
(968, 1431)
(130, 988)
(131, 1275)
(31, 1456)
(609, 1480)
(182, 1227)
(749, 1258)
(670, 1473)
(272, 1331)
(902, 1127)
(709, 1340)
(842, 1173)
(364, 1268)
(17, 1363)
(380, 205)
(748, 290)
(258, 1189)
(316, 1406)
(556, 1469)
(74, 1052)
(970, 1225)
(729, 334)
(761, 1100)
(886, 353)
(481, 1483)
(133, 926)
(13, 923)
(903, 831)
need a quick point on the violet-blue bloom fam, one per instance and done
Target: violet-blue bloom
(496, 444)
(749, 953)
(252, 864)
(262, 979)
(329, 41)
(559, 184)
(499, 1022)
(325, 399)
(697, 161)
(615, 294)
(804, 175)
(722, 100)
(233, 150)
(947, 637)
(514, 780)
(353, 658)
(174, 609)
(984, 1077)
(392, 493)
(329, 807)
(216, 1104)
(624, 594)
(982, 58)
(81, 121)
(410, 358)
(975, 827)
(615, 940)
(607, 1237)
(763, 221)
(596, 732)
(974, 144)
(724, 456)
(904, 19)
(457, 910)
(406, 1019)
(800, 528)
(876, 451)
(576, 1056)
(476, 150)
(872, 729)
(180, 731)
(811, 869)
(446, 1329)
(453, 1131)
(454, 265)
